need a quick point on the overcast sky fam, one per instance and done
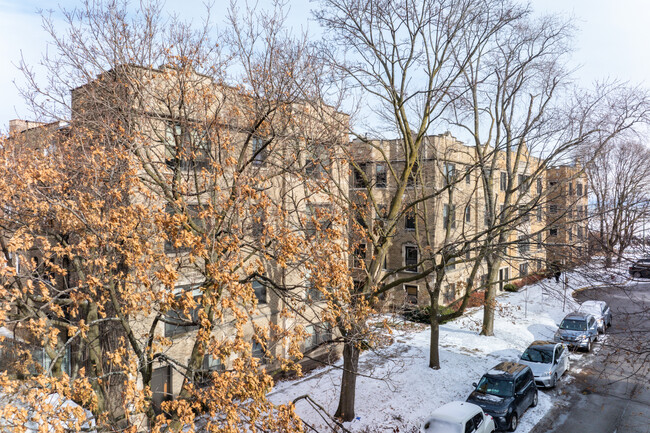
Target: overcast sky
(611, 42)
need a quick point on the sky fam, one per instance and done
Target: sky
(611, 43)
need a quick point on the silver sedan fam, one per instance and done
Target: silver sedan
(548, 360)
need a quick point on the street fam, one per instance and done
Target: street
(609, 390)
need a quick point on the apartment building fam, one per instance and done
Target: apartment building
(450, 211)
(567, 216)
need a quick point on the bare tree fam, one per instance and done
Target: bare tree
(404, 58)
(618, 176)
(517, 104)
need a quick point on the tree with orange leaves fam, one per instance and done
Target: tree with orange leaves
(166, 230)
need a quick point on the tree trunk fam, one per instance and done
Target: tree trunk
(345, 410)
(434, 352)
(490, 299)
(95, 355)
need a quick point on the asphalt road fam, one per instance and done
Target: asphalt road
(609, 391)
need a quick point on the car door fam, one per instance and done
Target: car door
(562, 360)
(592, 328)
(607, 314)
(523, 398)
(479, 423)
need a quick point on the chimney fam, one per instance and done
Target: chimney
(18, 125)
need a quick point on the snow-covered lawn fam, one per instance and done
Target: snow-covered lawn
(396, 388)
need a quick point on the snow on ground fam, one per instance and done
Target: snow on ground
(396, 389)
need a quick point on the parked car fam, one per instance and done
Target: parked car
(548, 361)
(458, 417)
(601, 312)
(577, 330)
(640, 268)
(505, 392)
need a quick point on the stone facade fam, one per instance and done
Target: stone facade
(445, 160)
(567, 216)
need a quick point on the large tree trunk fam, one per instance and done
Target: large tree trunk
(490, 298)
(434, 352)
(345, 410)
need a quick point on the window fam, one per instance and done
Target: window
(522, 179)
(260, 151)
(259, 352)
(210, 365)
(570, 230)
(552, 208)
(317, 335)
(359, 218)
(450, 173)
(579, 232)
(312, 294)
(570, 188)
(176, 321)
(552, 184)
(318, 219)
(523, 269)
(358, 180)
(468, 178)
(186, 146)
(523, 245)
(359, 257)
(504, 181)
(411, 294)
(539, 186)
(411, 258)
(318, 159)
(380, 175)
(260, 292)
(539, 240)
(449, 216)
(468, 213)
(449, 294)
(539, 213)
(504, 277)
(552, 231)
(579, 189)
(409, 220)
(523, 214)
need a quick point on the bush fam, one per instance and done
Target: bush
(418, 314)
(510, 288)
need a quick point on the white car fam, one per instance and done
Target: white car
(600, 311)
(458, 417)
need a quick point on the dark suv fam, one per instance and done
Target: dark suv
(640, 268)
(505, 392)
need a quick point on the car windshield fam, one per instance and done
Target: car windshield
(591, 308)
(495, 386)
(573, 325)
(442, 426)
(537, 354)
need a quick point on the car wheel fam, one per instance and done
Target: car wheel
(513, 422)
(589, 346)
(535, 400)
(604, 329)
(637, 275)
(554, 380)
